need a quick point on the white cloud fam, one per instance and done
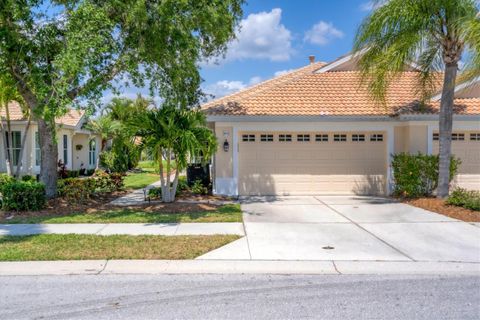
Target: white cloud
(322, 33)
(262, 36)
(282, 72)
(372, 5)
(226, 87)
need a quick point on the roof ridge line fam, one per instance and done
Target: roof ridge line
(268, 81)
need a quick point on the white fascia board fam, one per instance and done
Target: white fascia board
(458, 88)
(434, 117)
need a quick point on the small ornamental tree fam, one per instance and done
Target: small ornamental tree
(173, 132)
(61, 52)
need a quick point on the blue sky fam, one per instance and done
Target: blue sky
(279, 35)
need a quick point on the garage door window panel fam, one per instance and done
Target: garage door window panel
(321, 137)
(285, 138)
(248, 137)
(357, 137)
(376, 137)
(474, 136)
(266, 137)
(340, 137)
(303, 137)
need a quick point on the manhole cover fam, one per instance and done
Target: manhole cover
(328, 248)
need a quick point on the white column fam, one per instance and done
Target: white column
(235, 160)
(390, 152)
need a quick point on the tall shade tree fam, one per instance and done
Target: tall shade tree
(434, 35)
(172, 132)
(62, 52)
(9, 94)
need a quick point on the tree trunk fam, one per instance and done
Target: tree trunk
(175, 185)
(445, 129)
(49, 156)
(162, 179)
(168, 196)
(22, 148)
(8, 146)
(3, 132)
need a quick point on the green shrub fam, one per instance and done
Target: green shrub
(23, 196)
(76, 189)
(199, 188)
(108, 182)
(4, 180)
(417, 175)
(465, 198)
(155, 193)
(182, 184)
(28, 178)
(90, 172)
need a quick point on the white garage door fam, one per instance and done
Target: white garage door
(466, 146)
(294, 163)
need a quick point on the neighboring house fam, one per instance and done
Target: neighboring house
(317, 131)
(77, 147)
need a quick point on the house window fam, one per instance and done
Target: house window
(284, 137)
(14, 144)
(321, 137)
(339, 137)
(65, 149)
(458, 136)
(303, 137)
(475, 136)
(376, 137)
(436, 137)
(248, 137)
(38, 154)
(266, 137)
(358, 137)
(92, 152)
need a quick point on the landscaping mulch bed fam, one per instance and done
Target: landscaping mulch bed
(61, 207)
(439, 206)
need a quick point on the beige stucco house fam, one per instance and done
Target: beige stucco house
(77, 147)
(316, 130)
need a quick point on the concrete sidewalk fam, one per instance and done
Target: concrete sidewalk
(95, 267)
(164, 229)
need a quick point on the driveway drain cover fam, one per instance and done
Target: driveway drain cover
(328, 248)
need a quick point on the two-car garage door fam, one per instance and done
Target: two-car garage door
(309, 163)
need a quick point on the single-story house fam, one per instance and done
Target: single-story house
(316, 130)
(77, 147)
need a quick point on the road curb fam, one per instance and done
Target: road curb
(95, 267)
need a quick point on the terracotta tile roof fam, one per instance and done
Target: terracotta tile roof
(333, 93)
(70, 119)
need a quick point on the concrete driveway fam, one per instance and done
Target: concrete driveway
(348, 228)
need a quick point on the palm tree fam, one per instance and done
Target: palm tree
(175, 132)
(105, 127)
(432, 35)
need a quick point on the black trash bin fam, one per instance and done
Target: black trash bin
(197, 171)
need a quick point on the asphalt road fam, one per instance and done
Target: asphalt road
(239, 297)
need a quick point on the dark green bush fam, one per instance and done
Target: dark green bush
(108, 182)
(417, 175)
(28, 178)
(90, 172)
(465, 198)
(199, 188)
(23, 196)
(155, 193)
(76, 189)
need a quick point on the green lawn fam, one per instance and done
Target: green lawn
(86, 247)
(140, 180)
(225, 213)
(149, 175)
